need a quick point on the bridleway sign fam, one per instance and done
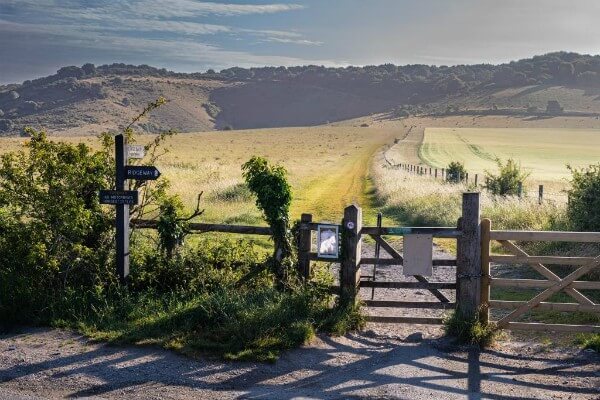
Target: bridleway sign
(119, 197)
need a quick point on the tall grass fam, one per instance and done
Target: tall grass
(420, 200)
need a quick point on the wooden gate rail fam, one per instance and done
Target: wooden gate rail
(552, 285)
(376, 234)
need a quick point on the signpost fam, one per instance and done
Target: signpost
(122, 198)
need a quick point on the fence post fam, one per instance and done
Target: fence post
(476, 176)
(541, 194)
(468, 257)
(350, 270)
(304, 246)
(520, 189)
(466, 177)
(484, 313)
(435, 175)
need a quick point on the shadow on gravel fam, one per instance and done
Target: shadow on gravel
(351, 367)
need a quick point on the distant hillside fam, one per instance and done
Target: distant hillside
(91, 99)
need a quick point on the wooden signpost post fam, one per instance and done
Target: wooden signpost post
(122, 198)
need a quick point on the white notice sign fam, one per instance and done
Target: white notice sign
(327, 241)
(135, 151)
(418, 253)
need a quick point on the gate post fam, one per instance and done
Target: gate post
(484, 313)
(468, 258)
(304, 245)
(351, 249)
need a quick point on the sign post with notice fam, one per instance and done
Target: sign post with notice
(122, 198)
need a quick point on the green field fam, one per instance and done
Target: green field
(544, 152)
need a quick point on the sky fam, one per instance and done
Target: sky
(39, 36)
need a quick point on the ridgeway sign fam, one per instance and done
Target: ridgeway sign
(142, 172)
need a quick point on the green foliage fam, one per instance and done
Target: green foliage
(591, 341)
(508, 180)
(53, 232)
(455, 172)
(470, 330)
(236, 325)
(273, 197)
(57, 249)
(583, 210)
(171, 228)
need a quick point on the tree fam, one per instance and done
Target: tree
(89, 69)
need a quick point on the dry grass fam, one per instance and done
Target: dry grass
(419, 200)
(328, 167)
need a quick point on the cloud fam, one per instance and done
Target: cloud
(173, 33)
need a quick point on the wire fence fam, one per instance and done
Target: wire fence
(477, 180)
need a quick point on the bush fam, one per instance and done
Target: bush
(470, 330)
(273, 197)
(455, 172)
(583, 210)
(53, 232)
(509, 179)
(591, 341)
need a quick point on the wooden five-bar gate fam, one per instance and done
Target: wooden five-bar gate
(552, 284)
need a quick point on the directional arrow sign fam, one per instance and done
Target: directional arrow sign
(141, 172)
(118, 197)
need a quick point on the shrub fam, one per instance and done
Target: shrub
(510, 177)
(53, 234)
(591, 341)
(273, 197)
(470, 330)
(455, 172)
(583, 210)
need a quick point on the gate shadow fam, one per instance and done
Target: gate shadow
(351, 366)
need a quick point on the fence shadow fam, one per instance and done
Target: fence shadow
(355, 365)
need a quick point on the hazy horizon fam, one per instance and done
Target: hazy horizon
(38, 37)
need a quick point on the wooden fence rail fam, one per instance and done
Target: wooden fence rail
(201, 228)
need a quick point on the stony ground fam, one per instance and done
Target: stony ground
(386, 361)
